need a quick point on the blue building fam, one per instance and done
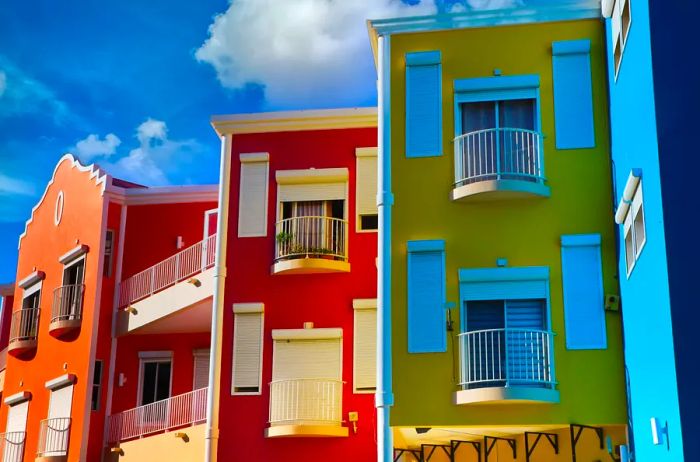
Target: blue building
(654, 87)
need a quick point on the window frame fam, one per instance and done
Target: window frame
(256, 309)
(364, 153)
(154, 357)
(96, 383)
(631, 216)
(362, 305)
(109, 256)
(621, 36)
(67, 265)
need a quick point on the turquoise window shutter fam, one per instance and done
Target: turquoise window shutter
(426, 297)
(582, 279)
(573, 94)
(423, 104)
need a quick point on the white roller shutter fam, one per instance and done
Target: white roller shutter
(311, 192)
(201, 369)
(247, 352)
(60, 402)
(366, 181)
(17, 417)
(365, 350)
(307, 359)
(252, 210)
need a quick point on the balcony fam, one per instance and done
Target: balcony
(499, 163)
(506, 365)
(12, 443)
(67, 309)
(163, 416)
(23, 330)
(311, 245)
(173, 296)
(306, 407)
(53, 440)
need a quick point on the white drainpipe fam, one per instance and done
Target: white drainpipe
(212, 430)
(384, 398)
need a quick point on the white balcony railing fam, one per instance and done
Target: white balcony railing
(306, 402)
(301, 237)
(25, 325)
(12, 449)
(161, 416)
(67, 303)
(498, 154)
(506, 358)
(177, 268)
(53, 437)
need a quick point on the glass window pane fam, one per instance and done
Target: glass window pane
(163, 381)
(478, 116)
(517, 113)
(486, 314)
(149, 382)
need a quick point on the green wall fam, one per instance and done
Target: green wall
(525, 231)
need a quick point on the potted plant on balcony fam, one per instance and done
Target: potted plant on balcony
(284, 244)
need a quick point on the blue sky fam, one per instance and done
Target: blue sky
(131, 84)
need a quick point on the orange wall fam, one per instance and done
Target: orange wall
(40, 249)
(127, 363)
(152, 231)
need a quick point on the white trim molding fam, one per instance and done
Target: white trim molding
(307, 334)
(17, 398)
(31, 279)
(366, 152)
(7, 290)
(324, 119)
(257, 307)
(627, 195)
(254, 157)
(312, 175)
(58, 382)
(364, 304)
(164, 195)
(73, 253)
(163, 354)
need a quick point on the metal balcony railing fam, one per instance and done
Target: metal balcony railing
(306, 402)
(161, 416)
(301, 237)
(188, 262)
(25, 325)
(53, 437)
(67, 303)
(12, 446)
(506, 358)
(498, 154)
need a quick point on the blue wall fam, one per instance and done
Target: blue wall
(674, 36)
(649, 349)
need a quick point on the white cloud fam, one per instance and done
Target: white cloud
(23, 94)
(305, 52)
(13, 186)
(493, 4)
(93, 146)
(150, 130)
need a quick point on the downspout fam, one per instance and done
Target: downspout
(384, 398)
(115, 320)
(212, 430)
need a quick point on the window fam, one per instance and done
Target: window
(365, 345)
(247, 348)
(582, 283)
(366, 189)
(74, 272)
(96, 386)
(32, 296)
(155, 376)
(17, 420)
(423, 104)
(630, 214)
(201, 368)
(252, 205)
(621, 22)
(426, 297)
(109, 252)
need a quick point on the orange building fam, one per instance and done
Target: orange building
(110, 314)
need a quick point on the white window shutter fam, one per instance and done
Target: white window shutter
(201, 369)
(247, 352)
(252, 208)
(60, 402)
(307, 359)
(366, 181)
(17, 417)
(365, 350)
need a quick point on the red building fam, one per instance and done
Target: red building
(298, 341)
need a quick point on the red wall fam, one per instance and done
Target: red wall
(290, 300)
(127, 363)
(152, 231)
(5, 319)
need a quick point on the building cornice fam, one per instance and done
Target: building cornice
(323, 119)
(164, 195)
(7, 290)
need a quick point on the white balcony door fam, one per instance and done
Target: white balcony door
(306, 381)
(58, 426)
(15, 432)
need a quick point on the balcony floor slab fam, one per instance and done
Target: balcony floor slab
(323, 431)
(499, 190)
(506, 395)
(310, 265)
